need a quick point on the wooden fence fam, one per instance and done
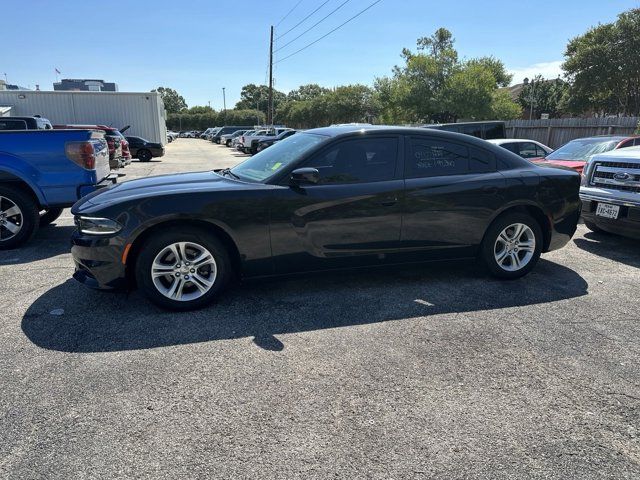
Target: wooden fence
(558, 131)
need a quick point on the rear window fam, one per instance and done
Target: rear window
(430, 157)
(13, 125)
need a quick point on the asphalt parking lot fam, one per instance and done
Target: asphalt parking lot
(429, 372)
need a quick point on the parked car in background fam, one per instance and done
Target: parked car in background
(44, 171)
(227, 139)
(576, 153)
(529, 149)
(119, 155)
(267, 142)
(144, 150)
(236, 141)
(25, 123)
(250, 142)
(485, 130)
(244, 141)
(610, 192)
(211, 132)
(327, 198)
(171, 136)
(226, 130)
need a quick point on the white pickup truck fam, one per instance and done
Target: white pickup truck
(610, 192)
(249, 143)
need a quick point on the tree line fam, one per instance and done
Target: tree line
(433, 84)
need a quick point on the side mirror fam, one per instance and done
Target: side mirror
(301, 176)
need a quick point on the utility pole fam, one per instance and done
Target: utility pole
(270, 106)
(224, 105)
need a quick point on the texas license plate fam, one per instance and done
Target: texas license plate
(607, 210)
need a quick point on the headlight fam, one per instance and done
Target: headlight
(97, 226)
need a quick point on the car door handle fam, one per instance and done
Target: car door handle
(490, 190)
(389, 203)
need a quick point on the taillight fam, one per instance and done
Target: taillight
(82, 154)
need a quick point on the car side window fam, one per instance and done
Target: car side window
(626, 143)
(528, 150)
(511, 146)
(541, 152)
(429, 157)
(357, 161)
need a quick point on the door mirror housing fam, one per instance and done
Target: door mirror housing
(302, 176)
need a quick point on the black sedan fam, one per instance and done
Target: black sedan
(267, 142)
(144, 150)
(327, 198)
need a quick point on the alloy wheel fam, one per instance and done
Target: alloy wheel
(514, 248)
(184, 271)
(11, 219)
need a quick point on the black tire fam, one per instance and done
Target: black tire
(50, 216)
(144, 155)
(154, 245)
(593, 227)
(30, 217)
(228, 143)
(489, 244)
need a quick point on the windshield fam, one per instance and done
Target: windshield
(267, 163)
(583, 149)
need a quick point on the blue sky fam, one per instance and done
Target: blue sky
(200, 46)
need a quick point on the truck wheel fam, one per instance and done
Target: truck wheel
(19, 217)
(144, 155)
(182, 270)
(512, 245)
(50, 216)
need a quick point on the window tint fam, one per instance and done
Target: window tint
(528, 150)
(541, 151)
(472, 129)
(512, 147)
(636, 142)
(13, 125)
(626, 143)
(433, 158)
(492, 131)
(357, 161)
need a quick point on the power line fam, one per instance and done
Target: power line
(329, 33)
(302, 21)
(288, 13)
(315, 24)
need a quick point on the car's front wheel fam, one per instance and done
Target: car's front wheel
(512, 245)
(184, 270)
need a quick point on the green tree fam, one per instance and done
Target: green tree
(201, 109)
(503, 107)
(544, 96)
(257, 96)
(602, 68)
(173, 101)
(433, 85)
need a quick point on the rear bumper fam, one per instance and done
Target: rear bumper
(563, 229)
(107, 181)
(98, 262)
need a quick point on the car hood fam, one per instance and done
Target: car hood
(162, 185)
(576, 165)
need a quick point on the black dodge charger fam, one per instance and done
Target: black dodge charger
(328, 198)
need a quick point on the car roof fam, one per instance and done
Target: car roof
(499, 141)
(621, 153)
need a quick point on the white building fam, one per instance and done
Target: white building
(144, 112)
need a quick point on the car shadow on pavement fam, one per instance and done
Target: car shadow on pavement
(106, 322)
(614, 247)
(48, 242)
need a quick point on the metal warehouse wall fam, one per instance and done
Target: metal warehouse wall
(143, 111)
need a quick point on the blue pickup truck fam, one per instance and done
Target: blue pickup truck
(44, 171)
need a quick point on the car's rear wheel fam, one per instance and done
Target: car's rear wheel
(50, 216)
(144, 155)
(19, 217)
(183, 270)
(512, 245)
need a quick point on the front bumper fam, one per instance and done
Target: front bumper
(98, 261)
(627, 223)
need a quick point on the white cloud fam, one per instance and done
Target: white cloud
(548, 70)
